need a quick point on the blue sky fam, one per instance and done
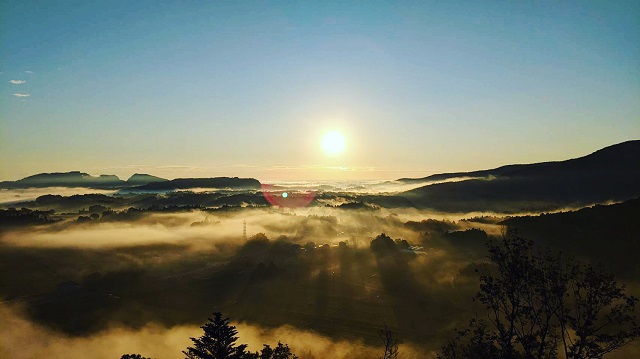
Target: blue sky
(195, 88)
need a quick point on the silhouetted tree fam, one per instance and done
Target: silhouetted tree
(383, 244)
(475, 342)
(537, 305)
(390, 343)
(282, 351)
(218, 341)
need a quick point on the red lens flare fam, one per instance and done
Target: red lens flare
(280, 197)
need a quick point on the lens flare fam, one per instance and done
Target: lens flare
(277, 197)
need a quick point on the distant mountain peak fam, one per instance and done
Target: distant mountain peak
(65, 179)
(143, 178)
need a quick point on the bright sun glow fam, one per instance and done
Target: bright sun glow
(333, 143)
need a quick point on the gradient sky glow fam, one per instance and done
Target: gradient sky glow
(204, 88)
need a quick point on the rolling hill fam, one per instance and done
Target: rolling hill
(612, 173)
(604, 234)
(140, 179)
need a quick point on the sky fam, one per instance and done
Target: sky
(242, 88)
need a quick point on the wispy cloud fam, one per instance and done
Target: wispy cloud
(28, 72)
(21, 95)
(17, 82)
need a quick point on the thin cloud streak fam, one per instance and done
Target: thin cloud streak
(18, 82)
(21, 95)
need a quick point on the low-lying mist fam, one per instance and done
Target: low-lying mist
(323, 279)
(21, 338)
(312, 270)
(10, 196)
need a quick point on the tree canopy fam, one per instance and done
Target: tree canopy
(538, 305)
(219, 342)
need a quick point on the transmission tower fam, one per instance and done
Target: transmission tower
(244, 230)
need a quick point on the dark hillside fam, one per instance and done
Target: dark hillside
(612, 173)
(603, 234)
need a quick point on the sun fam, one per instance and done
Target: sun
(333, 143)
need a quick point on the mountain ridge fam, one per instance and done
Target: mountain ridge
(64, 179)
(612, 173)
(630, 150)
(140, 179)
(137, 181)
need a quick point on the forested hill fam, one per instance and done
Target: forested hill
(606, 234)
(621, 157)
(611, 174)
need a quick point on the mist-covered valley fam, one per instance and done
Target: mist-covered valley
(319, 180)
(321, 267)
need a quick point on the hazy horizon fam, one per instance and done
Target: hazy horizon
(283, 174)
(271, 175)
(250, 89)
